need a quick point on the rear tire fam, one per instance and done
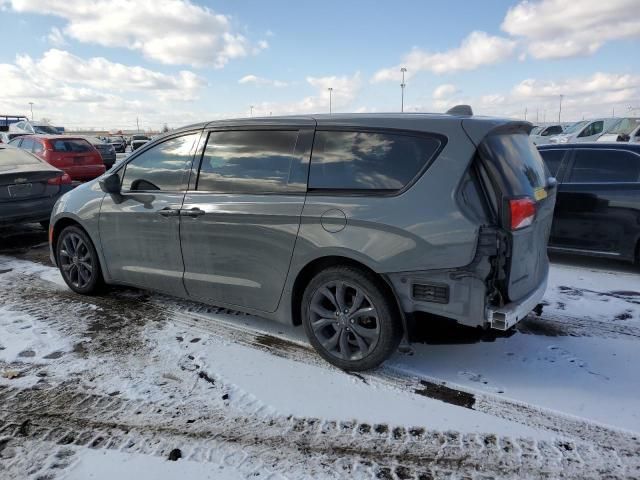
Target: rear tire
(78, 261)
(349, 319)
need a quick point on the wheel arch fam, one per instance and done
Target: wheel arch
(63, 222)
(316, 265)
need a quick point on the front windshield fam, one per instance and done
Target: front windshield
(44, 129)
(625, 126)
(576, 127)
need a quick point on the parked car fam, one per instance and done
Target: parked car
(74, 155)
(107, 152)
(29, 187)
(626, 130)
(544, 133)
(584, 131)
(28, 127)
(138, 140)
(4, 137)
(598, 205)
(118, 143)
(392, 214)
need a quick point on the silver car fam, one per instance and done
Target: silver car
(346, 224)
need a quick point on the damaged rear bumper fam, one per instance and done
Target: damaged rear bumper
(507, 316)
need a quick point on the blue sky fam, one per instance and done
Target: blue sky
(171, 61)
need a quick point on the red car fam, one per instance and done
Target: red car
(73, 155)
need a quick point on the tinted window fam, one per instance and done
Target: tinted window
(248, 161)
(593, 129)
(516, 162)
(554, 130)
(27, 144)
(164, 167)
(72, 145)
(602, 166)
(552, 159)
(15, 141)
(367, 160)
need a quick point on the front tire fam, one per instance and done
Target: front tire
(349, 319)
(78, 261)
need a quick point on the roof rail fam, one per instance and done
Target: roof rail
(460, 110)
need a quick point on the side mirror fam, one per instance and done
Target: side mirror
(110, 184)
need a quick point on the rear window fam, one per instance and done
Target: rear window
(349, 160)
(76, 145)
(605, 166)
(515, 161)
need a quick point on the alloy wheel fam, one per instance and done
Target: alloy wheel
(344, 320)
(75, 260)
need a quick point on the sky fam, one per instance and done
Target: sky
(109, 64)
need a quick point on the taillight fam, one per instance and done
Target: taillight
(523, 211)
(63, 179)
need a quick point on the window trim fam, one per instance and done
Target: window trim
(377, 192)
(572, 161)
(121, 169)
(304, 158)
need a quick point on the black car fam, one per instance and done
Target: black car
(107, 151)
(29, 187)
(598, 204)
(119, 144)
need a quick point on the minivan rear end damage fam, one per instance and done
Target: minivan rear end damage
(509, 193)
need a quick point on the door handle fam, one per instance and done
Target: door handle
(191, 212)
(169, 212)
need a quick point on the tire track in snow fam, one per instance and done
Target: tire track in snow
(289, 447)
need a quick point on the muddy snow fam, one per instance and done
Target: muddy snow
(132, 384)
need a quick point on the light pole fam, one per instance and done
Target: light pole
(402, 85)
(31, 104)
(560, 109)
(251, 110)
(330, 92)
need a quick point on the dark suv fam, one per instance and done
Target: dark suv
(344, 223)
(598, 208)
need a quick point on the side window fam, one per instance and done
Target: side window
(38, 147)
(248, 161)
(164, 167)
(27, 144)
(605, 166)
(552, 159)
(15, 142)
(554, 130)
(350, 160)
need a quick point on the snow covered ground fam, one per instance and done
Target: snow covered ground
(138, 385)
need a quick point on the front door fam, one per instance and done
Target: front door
(241, 220)
(140, 227)
(596, 209)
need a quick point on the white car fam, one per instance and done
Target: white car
(541, 135)
(585, 131)
(626, 130)
(29, 127)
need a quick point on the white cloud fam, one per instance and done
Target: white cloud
(344, 93)
(476, 50)
(94, 91)
(444, 91)
(598, 83)
(174, 32)
(566, 28)
(56, 38)
(253, 79)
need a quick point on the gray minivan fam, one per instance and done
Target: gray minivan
(346, 224)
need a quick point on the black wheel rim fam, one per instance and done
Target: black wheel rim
(75, 260)
(344, 320)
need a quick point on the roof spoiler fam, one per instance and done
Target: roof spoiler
(460, 110)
